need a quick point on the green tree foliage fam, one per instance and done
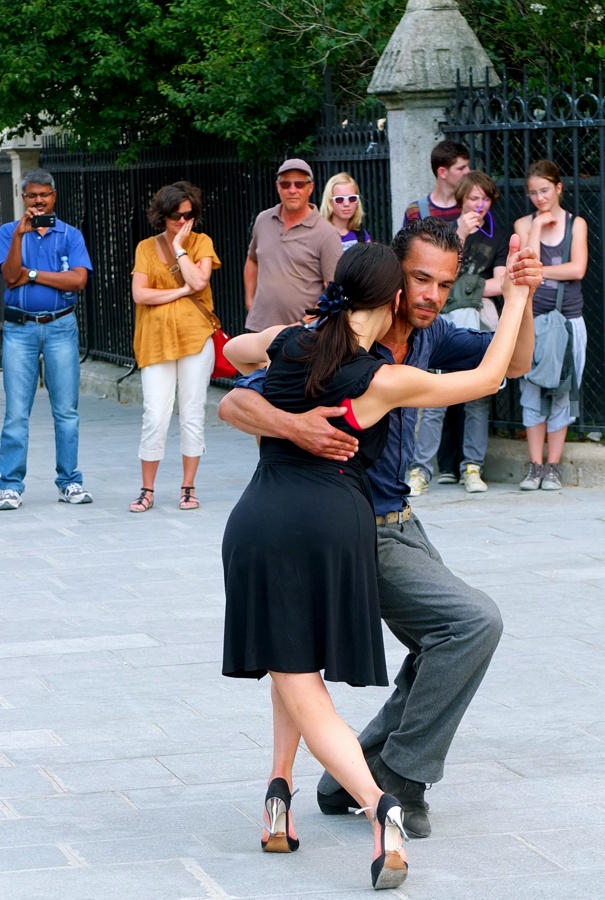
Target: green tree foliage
(255, 71)
(534, 36)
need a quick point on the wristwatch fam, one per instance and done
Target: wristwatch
(32, 274)
(181, 252)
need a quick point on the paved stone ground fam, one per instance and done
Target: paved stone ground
(131, 770)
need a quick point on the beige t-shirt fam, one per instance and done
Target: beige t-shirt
(292, 266)
(176, 329)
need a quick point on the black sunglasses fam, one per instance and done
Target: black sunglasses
(181, 215)
(299, 185)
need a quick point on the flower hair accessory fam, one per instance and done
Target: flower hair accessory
(333, 300)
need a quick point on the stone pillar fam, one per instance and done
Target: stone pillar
(24, 153)
(414, 78)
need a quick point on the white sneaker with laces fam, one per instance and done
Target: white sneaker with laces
(74, 493)
(472, 480)
(418, 482)
(10, 499)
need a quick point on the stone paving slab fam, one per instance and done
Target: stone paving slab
(131, 770)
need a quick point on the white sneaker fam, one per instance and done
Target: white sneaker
(418, 482)
(74, 493)
(472, 480)
(10, 499)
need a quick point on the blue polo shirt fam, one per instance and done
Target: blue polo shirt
(44, 254)
(440, 346)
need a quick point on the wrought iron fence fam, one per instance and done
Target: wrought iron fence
(505, 130)
(107, 202)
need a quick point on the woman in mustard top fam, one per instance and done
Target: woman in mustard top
(172, 338)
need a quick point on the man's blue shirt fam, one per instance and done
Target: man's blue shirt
(440, 346)
(44, 254)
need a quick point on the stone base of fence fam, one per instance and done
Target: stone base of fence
(583, 465)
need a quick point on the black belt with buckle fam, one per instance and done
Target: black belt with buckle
(45, 318)
(21, 316)
(395, 518)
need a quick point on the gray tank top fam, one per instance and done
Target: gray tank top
(546, 295)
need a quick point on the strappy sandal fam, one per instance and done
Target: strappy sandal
(187, 501)
(143, 503)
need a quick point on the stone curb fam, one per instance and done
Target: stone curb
(583, 464)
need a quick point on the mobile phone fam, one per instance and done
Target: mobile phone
(43, 221)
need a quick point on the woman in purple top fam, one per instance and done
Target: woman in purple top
(544, 232)
(341, 206)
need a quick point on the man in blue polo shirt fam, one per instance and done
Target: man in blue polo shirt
(450, 629)
(44, 265)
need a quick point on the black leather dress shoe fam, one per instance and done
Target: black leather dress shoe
(337, 804)
(409, 793)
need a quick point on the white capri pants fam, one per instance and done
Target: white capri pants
(191, 376)
(560, 414)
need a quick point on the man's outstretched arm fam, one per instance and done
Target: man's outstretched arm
(248, 411)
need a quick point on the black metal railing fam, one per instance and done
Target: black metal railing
(108, 202)
(505, 130)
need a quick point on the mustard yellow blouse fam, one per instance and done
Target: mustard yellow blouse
(176, 329)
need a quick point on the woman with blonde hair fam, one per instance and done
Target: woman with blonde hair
(341, 205)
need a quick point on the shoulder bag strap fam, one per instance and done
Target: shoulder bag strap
(175, 270)
(424, 208)
(171, 259)
(569, 219)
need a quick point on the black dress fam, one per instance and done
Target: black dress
(299, 550)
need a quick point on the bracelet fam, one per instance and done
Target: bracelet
(181, 252)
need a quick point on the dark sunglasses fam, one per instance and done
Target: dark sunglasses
(352, 198)
(184, 215)
(299, 185)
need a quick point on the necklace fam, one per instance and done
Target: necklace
(489, 216)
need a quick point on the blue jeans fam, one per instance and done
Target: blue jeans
(57, 343)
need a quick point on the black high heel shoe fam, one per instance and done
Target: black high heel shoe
(389, 870)
(277, 803)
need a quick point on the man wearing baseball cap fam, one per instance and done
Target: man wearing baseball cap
(292, 254)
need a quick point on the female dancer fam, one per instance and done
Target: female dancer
(172, 338)
(299, 547)
(341, 206)
(545, 232)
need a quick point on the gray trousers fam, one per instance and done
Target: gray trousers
(451, 631)
(474, 443)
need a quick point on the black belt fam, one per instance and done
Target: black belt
(45, 318)
(395, 518)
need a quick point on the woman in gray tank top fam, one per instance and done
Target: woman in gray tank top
(545, 232)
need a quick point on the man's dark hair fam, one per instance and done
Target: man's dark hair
(445, 154)
(37, 176)
(169, 198)
(431, 230)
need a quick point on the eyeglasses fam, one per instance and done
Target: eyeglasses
(543, 192)
(43, 195)
(299, 185)
(189, 214)
(352, 198)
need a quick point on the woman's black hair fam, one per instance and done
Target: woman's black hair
(369, 276)
(168, 199)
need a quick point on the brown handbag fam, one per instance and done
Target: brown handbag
(222, 366)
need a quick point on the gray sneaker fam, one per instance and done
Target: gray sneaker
(74, 493)
(532, 480)
(10, 499)
(551, 479)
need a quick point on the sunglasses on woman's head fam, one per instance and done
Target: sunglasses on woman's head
(181, 215)
(352, 198)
